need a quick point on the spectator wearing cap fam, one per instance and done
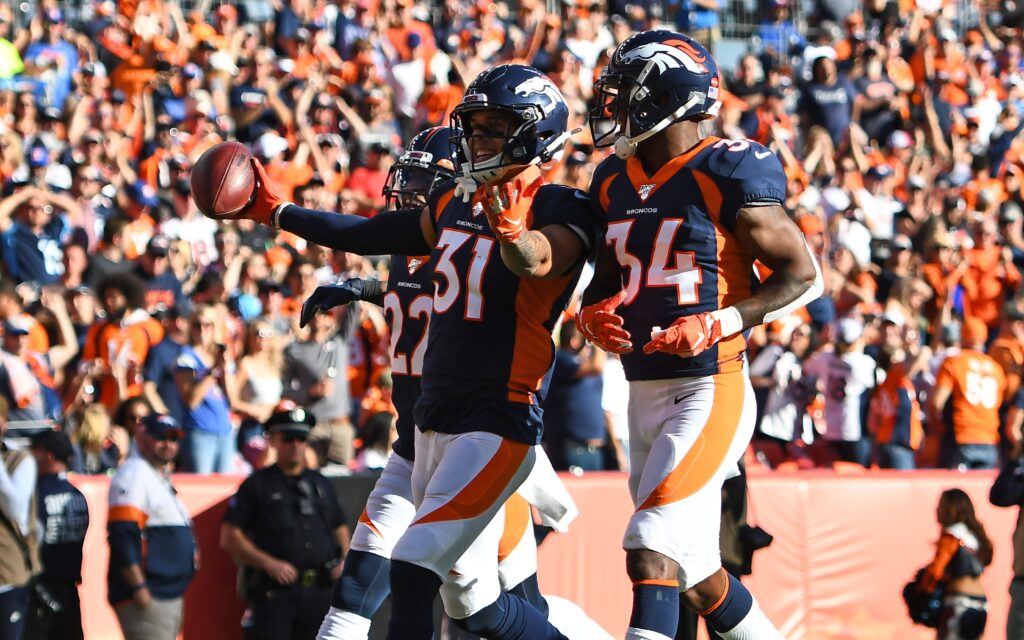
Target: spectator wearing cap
(32, 245)
(286, 525)
(13, 307)
(53, 59)
(877, 202)
(152, 545)
(64, 519)
(117, 346)
(86, 188)
(965, 401)
(159, 384)
(203, 371)
(163, 289)
(845, 377)
(20, 385)
(19, 541)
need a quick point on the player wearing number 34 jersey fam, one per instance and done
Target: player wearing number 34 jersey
(687, 216)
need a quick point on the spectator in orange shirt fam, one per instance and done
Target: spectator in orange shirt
(894, 416)
(367, 182)
(991, 275)
(118, 345)
(1008, 350)
(968, 392)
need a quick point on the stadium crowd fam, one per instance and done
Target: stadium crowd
(897, 123)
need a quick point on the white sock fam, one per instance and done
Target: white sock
(754, 626)
(572, 621)
(343, 625)
(643, 634)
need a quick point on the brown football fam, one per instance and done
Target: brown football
(223, 179)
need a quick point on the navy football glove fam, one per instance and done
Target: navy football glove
(328, 296)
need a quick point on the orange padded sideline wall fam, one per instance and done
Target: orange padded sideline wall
(844, 546)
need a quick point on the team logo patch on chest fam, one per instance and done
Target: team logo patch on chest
(414, 264)
(645, 191)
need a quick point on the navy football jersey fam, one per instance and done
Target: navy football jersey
(672, 235)
(407, 306)
(490, 349)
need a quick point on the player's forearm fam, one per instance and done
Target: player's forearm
(529, 256)
(781, 294)
(397, 232)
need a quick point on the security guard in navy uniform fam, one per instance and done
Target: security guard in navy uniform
(286, 526)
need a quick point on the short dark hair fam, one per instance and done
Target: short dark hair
(113, 227)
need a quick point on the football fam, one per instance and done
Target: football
(223, 179)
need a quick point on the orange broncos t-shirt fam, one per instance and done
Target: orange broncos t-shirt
(978, 386)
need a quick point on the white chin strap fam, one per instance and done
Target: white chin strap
(625, 147)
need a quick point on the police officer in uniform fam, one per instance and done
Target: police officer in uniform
(286, 526)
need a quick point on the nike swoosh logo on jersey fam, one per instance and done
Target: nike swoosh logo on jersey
(678, 399)
(580, 195)
(761, 155)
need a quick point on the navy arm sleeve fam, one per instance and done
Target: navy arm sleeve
(389, 233)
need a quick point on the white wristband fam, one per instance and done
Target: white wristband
(730, 320)
(275, 218)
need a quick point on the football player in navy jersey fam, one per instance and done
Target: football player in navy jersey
(687, 216)
(363, 585)
(506, 252)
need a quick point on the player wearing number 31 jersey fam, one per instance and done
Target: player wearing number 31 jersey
(506, 251)
(687, 216)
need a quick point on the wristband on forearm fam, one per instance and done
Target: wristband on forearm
(373, 292)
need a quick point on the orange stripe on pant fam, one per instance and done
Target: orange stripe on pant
(364, 518)
(483, 490)
(708, 452)
(517, 522)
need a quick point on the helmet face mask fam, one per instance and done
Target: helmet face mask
(424, 165)
(517, 105)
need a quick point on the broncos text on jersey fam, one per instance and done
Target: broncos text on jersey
(673, 236)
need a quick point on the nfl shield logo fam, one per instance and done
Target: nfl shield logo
(645, 190)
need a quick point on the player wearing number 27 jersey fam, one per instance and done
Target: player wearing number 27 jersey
(687, 216)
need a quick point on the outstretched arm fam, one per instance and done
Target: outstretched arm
(408, 232)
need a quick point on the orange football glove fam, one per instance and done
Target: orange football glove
(266, 197)
(509, 208)
(688, 336)
(601, 325)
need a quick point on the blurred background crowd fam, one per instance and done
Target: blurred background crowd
(897, 122)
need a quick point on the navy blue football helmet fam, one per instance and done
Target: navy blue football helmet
(539, 119)
(426, 163)
(654, 79)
